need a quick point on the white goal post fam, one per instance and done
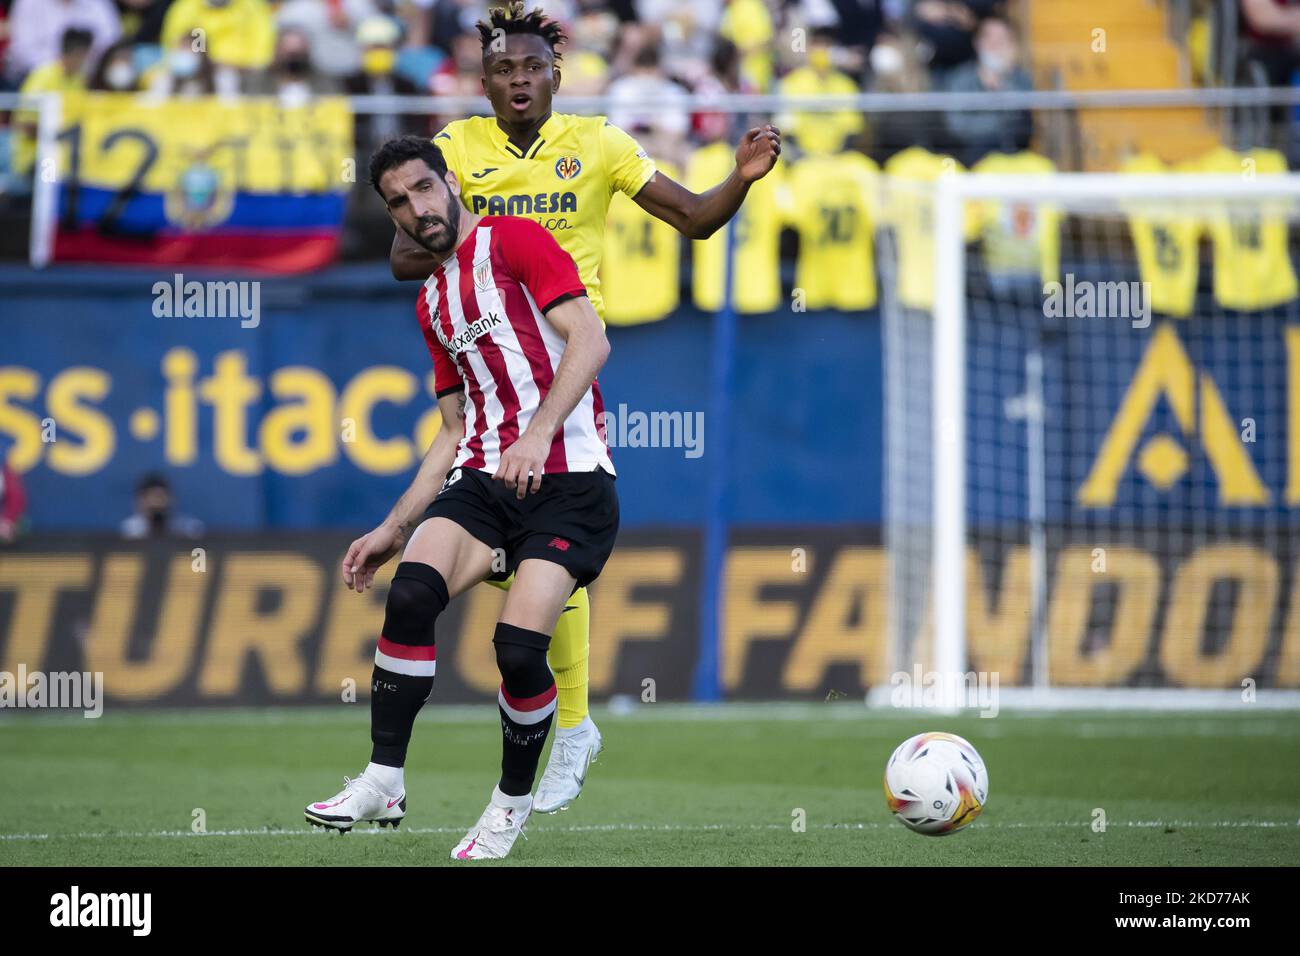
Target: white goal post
(1104, 202)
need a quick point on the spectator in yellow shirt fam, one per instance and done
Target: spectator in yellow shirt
(748, 24)
(239, 34)
(64, 75)
(820, 133)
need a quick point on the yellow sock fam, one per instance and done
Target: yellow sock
(570, 647)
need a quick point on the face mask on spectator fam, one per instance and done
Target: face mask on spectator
(995, 62)
(183, 63)
(378, 61)
(294, 94)
(885, 59)
(297, 65)
(819, 58)
(120, 76)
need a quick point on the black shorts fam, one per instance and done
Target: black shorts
(572, 521)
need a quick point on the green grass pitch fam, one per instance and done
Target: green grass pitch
(676, 785)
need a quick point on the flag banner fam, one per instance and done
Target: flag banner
(224, 183)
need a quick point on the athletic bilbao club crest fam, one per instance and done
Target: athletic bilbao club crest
(483, 275)
(566, 167)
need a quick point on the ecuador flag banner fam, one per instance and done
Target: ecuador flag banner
(234, 183)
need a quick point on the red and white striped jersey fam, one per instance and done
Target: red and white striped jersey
(483, 313)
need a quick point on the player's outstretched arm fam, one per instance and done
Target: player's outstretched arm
(585, 351)
(408, 259)
(370, 551)
(700, 215)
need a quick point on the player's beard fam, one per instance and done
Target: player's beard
(439, 244)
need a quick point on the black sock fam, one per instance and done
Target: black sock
(404, 660)
(527, 704)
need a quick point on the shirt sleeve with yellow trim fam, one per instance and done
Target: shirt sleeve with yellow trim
(627, 165)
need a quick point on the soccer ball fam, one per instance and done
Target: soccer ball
(936, 783)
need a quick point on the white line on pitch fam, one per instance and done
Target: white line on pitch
(663, 828)
(855, 712)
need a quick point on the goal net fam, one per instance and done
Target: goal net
(1093, 437)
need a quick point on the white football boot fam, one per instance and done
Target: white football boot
(496, 830)
(360, 801)
(573, 751)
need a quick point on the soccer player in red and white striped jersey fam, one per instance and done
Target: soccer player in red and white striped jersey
(516, 347)
(485, 305)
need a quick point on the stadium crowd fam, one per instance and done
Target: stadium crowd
(633, 51)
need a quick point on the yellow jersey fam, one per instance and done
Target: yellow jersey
(1252, 267)
(1020, 238)
(1165, 238)
(820, 132)
(748, 24)
(832, 206)
(910, 211)
(240, 33)
(564, 181)
(640, 273)
(756, 274)
(49, 78)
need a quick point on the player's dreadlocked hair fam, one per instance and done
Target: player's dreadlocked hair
(503, 21)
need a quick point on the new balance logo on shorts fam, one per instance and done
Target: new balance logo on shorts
(559, 544)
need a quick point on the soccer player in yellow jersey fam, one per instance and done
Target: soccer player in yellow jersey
(561, 171)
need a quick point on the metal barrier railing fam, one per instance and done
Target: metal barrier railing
(1191, 98)
(1251, 102)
